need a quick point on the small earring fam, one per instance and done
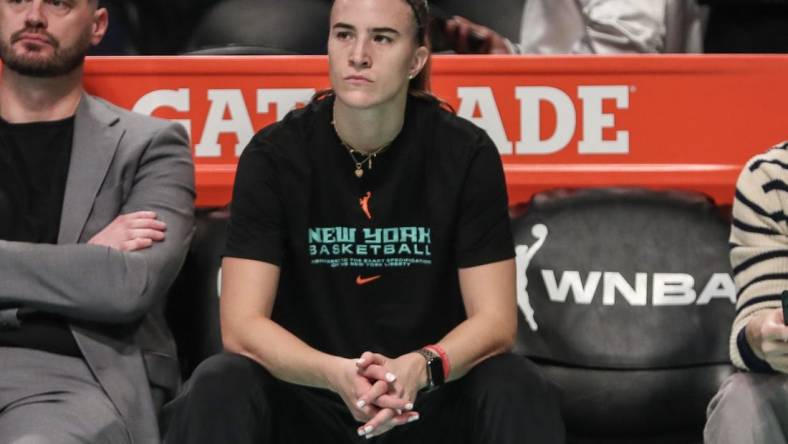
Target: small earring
(410, 76)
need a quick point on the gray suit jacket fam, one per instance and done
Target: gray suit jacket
(121, 162)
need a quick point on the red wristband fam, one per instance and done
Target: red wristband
(444, 359)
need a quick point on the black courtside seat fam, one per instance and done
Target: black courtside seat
(193, 305)
(628, 301)
(236, 50)
(287, 27)
(502, 16)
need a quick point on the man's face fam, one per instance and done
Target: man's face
(48, 38)
(372, 50)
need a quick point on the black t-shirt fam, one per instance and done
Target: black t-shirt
(370, 263)
(34, 162)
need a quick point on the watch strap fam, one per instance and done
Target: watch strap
(434, 374)
(427, 355)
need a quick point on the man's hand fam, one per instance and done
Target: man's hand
(768, 337)
(467, 37)
(131, 232)
(396, 383)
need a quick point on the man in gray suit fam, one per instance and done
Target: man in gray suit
(96, 208)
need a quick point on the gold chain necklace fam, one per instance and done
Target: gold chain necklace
(366, 158)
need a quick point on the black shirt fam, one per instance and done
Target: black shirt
(34, 162)
(370, 263)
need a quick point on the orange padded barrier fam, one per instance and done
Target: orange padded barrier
(663, 122)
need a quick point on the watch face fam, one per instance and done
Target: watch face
(436, 370)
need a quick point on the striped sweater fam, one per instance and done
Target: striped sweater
(759, 246)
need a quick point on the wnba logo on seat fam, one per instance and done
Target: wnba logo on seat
(665, 288)
(612, 287)
(524, 254)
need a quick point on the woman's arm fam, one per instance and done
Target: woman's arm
(249, 290)
(488, 292)
(248, 293)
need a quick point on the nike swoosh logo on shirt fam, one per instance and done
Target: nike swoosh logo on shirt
(365, 280)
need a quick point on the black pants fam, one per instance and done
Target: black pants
(232, 399)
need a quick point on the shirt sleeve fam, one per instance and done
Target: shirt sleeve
(601, 26)
(255, 229)
(620, 26)
(483, 233)
(759, 256)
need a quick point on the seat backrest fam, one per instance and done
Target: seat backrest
(294, 26)
(628, 302)
(502, 16)
(193, 304)
(234, 50)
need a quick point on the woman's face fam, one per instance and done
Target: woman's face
(372, 51)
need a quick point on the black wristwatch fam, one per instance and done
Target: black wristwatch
(435, 377)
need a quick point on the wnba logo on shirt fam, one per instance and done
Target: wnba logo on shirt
(364, 203)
